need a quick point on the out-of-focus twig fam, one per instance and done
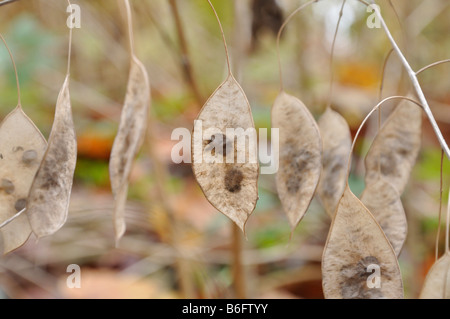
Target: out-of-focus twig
(185, 58)
(4, 2)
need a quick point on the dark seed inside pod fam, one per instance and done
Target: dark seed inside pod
(29, 156)
(233, 180)
(20, 204)
(7, 186)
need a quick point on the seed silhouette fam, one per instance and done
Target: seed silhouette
(395, 148)
(383, 201)
(336, 149)
(300, 151)
(355, 238)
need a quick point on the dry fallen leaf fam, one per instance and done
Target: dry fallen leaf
(22, 147)
(230, 187)
(395, 148)
(49, 197)
(300, 152)
(355, 248)
(437, 282)
(337, 142)
(383, 201)
(128, 141)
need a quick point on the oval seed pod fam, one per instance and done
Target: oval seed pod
(395, 148)
(48, 200)
(383, 201)
(128, 141)
(300, 155)
(437, 281)
(22, 147)
(337, 142)
(229, 184)
(358, 261)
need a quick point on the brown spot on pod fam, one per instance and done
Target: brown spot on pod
(355, 241)
(7, 186)
(29, 156)
(233, 180)
(355, 280)
(20, 204)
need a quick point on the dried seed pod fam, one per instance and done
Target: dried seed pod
(229, 185)
(300, 155)
(437, 282)
(383, 201)
(133, 123)
(356, 254)
(48, 200)
(337, 142)
(394, 151)
(17, 132)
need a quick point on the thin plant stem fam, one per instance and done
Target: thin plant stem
(380, 94)
(447, 228)
(440, 208)
(280, 31)
(130, 27)
(185, 56)
(5, 2)
(239, 280)
(432, 65)
(9, 220)
(375, 108)
(415, 84)
(333, 45)
(69, 54)
(15, 71)
(223, 38)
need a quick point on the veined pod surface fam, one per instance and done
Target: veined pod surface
(300, 155)
(22, 147)
(358, 261)
(226, 169)
(383, 201)
(337, 142)
(395, 148)
(49, 197)
(129, 138)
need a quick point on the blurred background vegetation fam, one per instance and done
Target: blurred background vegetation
(183, 74)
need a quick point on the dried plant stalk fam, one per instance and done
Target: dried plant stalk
(300, 155)
(133, 123)
(383, 201)
(337, 142)
(355, 247)
(48, 200)
(22, 147)
(230, 187)
(394, 151)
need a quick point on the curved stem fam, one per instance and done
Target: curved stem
(447, 228)
(365, 120)
(280, 31)
(330, 92)
(223, 37)
(130, 27)
(383, 73)
(15, 70)
(69, 55)
(440, 209)
(431, 65)
(9, 220)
